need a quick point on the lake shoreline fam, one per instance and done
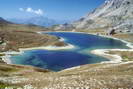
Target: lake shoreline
(103, 52)
(98, 52)
(114, 58)
(7, 55)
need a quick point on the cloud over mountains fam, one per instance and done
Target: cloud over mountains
(30, 10)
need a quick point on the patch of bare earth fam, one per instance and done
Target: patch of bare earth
(127, 37)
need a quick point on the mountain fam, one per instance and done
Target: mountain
(6, 25)
(117, 14)
(3, 21)
(39, 20)
(62, 27)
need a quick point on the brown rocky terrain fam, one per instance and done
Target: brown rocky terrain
(125, 36)
(15, 36)
(6, 25)
(22, 39)
(94, 76)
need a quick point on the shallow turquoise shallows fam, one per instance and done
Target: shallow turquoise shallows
(62, 59)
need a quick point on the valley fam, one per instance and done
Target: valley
(113, 19)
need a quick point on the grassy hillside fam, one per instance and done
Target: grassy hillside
(21, 27)
(23, 36)
(92, 76)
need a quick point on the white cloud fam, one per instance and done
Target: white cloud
(39, 12)
(30, 10)
(21, 9)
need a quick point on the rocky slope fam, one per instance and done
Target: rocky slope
(113, 14)
(117, 14)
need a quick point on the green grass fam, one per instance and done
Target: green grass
(2, 54)
(3, 85)
(7, 69)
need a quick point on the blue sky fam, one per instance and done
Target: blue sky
(54, 9)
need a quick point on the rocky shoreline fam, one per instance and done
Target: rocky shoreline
(114, 58)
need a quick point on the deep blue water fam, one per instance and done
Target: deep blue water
(62, 59)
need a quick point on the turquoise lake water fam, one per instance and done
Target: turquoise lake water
(63, 59)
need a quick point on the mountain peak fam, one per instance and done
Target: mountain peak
(112, 13)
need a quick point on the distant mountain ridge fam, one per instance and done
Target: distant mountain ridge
(38, 20)
(3, 21)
